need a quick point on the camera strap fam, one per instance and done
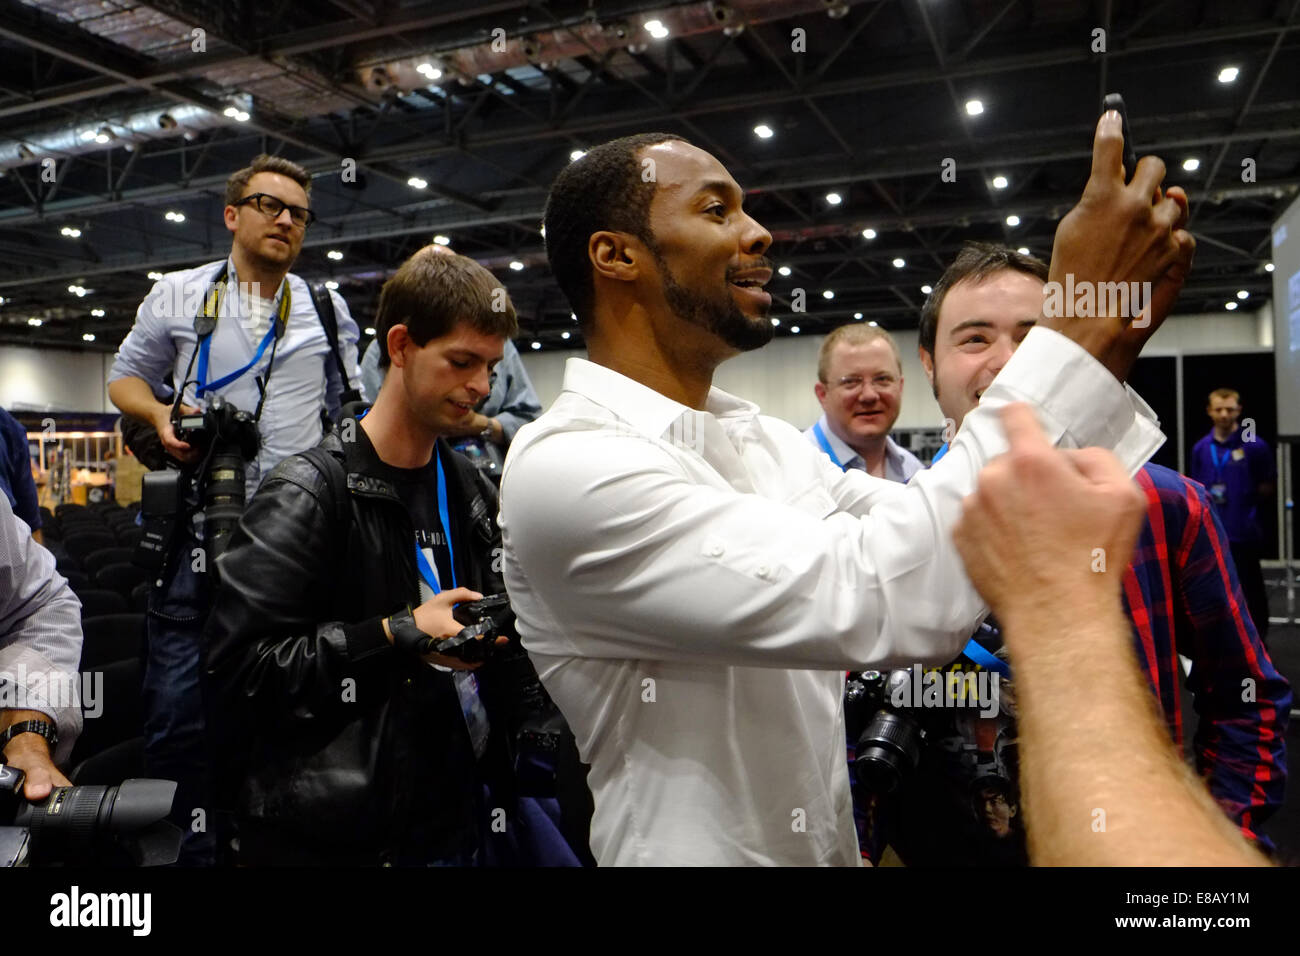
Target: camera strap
(421, 562)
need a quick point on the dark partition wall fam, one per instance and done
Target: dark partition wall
(1156, 380)
(1252, 374)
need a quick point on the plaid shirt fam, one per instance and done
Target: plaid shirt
(1181, 596)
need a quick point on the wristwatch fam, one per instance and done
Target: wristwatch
(42, 727)
(486, 433)
(406, 635)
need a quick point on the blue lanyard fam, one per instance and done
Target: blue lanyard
(211, 308)
(826, 445)
(1218, 463)
(943, 450)
(421, 561)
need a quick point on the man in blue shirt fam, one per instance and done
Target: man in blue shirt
(1236, 467)
(16, 473)
(266, 352)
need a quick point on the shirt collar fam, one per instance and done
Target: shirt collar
(649, 412)
(843, 453)
(232, 282)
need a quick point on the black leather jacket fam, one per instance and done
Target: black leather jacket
(326, 733)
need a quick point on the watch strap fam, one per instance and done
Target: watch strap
(42, 727)
(406, 635)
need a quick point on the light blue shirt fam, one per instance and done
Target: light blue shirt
(305, 377)
(900, 464)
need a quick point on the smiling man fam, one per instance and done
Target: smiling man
(692, 578)
(265, 350)
(860, 389)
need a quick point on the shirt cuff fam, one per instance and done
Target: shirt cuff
(1080, 398)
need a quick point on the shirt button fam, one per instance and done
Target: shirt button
(715, 551)
(764, 571)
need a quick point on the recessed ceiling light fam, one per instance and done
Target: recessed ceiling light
(1268, 267)
(874, 323)
(369, 330)
(784, 270)
(1023, 250)
(999, 182)
(1243, 294)
(1230, 306)
(71, 232)
(834, 198)
(899, 263)
(1191, 164)
(87, 336)
(517, 266)
(577, 154)
(656, 29)
(776, 321)
(415, 182)
(536, 345)
(1228, 74)
(565, 335)
(574, 316)
(763, 131)
(35, 323)
(331, 284)
(441, 240)
(154, 275)
(1013, 220)
(429, 70)
(794, 329)
(857, 315)
(97, 313)
(334, 254)
(974, 107)
(868, 233)
(926, 289)
(828, 294)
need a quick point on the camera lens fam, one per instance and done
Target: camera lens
(887, 751)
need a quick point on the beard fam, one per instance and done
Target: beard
(718, 314)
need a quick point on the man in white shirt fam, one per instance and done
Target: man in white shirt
(268, 354)
(691, 578)
(860, 389)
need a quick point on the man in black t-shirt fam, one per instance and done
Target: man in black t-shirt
(344, 742)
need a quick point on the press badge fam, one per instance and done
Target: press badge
(1238, 454)
(1218, 494)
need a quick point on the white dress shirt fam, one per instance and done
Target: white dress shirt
(900, 464)
(692, 585)
(305, 377)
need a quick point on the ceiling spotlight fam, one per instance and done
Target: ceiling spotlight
(516, 265)
(77, 290)
(899, 263)
(1013, 220)
(97, 313)
(858, 316)
(173, 216)
(1268, 267)
(331, 285)
(1243, 294)
(1023, 250)
(763, 131)
(71, 232)
(565, 335)
(87, 135)
(576, 155)
(974, 107)
(776, 321)
(536, 345)
(926, 289)
(334, 254)
(868, 233)
(794, 329)
(442, 240)
(35, 323)
(1230, 306)
(1191, 164)
(1228, 74)
(574, 316)
(369, 330)
(656, 29)
(784, 270)
(999, 182)
(543, 230)
(156, 276)
(837, 10)
(874, 324)
(415, 182)
(834, 198)
(429, 70)
(87, 336)
(828, 294)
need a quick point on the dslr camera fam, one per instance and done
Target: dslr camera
(124, 825)
(889, 738)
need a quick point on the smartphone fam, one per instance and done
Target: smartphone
(1113, 101)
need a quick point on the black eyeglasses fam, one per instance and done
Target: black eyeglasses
(271, 207)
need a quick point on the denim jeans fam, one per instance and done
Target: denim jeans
(175, 742)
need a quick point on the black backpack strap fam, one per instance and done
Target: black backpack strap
(324, 303)
(335, 472)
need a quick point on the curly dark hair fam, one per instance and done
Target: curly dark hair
(602, 190)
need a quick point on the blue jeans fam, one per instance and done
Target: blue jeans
(175, 741)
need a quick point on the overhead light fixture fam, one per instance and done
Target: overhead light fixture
(868, 233)
(565, 335)
(1268, 267)
(899, 263)
(71, 232)
(441, 240)
(78, 290)
(543, 230)
(858, 316)
(236, 114)
(656, 29)
(156, 276)
(331, 285)
(974, 107)
(97, 313)
(516, 265)
(828, 294)
(415, 182)
(784, 270)
(794, 329)
(834, 198)
(776, 321)
(536, 345)
(104, 135)
(763, 131)
(87, 336)
(334, 254)
(370, 330)
(574, 316)
(34, 322)
(874, 324)
(1243, 294)
(1191, 164)
(1228, 74)
(1230, 306)
(87, 135)
(926, 289)
(174, 216)
(1000, 182)
(1013, 220)
(576, 155)
(429, 70)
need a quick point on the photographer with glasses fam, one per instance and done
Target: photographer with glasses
(257, 356)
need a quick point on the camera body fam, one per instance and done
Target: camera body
(484, 621)
(889, 737)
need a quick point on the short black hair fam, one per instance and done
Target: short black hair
(602, 190)
(975, 261)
